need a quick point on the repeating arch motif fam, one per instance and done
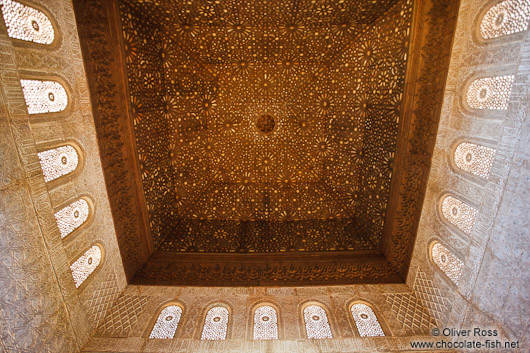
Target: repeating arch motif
(44, 96)
(84, 266)
(265, 323)
(316, 322)
(72, 217)
(26, 23)
(504, 18)
(490, 93)
(451, 265)
(215, 324)
(167, 322)
(366, 321)
(459, 213)
(474, 159)
(59, 161)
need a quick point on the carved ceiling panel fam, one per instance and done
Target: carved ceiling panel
(266, 126)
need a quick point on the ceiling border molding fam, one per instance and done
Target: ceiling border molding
(97, 24)
(433, 29)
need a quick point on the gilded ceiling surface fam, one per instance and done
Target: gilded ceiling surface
(266, 126)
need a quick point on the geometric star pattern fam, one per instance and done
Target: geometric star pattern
(328, 79)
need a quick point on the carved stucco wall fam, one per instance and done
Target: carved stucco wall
(40, 308)
(128, 324)
(493, 290)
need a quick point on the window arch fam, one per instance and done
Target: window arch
(216, 324)
(366, 321)
(265, 323)
(59, 161)
(451, 265)
(474, 159)
(459, 214)
(26, 23)
(167, 322)
(44, 96)
(72, 217)
(316, 322)
(84, 266)
(490, 93)
(504, 18)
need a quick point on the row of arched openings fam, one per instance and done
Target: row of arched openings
(486, 94)
(266, 322)
(46, 97)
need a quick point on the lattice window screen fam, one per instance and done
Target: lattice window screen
(316, 322)
(265, 323)
(507, 17)
(451, 265)
(490, 93)
(459, 214)
(216, 324)
(72, 217)
(167, 323)
(86, 265)
(474, 159)
(366, 321)
(59, 161)
(44, 96)
(26, 23)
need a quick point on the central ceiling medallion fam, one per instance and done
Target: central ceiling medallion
(266, 124)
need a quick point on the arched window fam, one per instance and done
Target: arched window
(26, 23)
(366, 321)
(474, 159)
(44, 96)
(490, 93)
(316, 322)
(167, 322)
(86, 264)
(59, 161)
(459, 214)
(507, 17)
(215, 324)
(447, 262)
(72, 217)
(265, 323)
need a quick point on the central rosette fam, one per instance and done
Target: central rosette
(265, 124)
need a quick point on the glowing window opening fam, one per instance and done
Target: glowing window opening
(366, 321)
(505, 18)
(265, 323)
(72, 217)
(316, 322)
(216, 324)
(167, 323)
(57, 162)
(83, 267)
(451, 265)
(474, 159)
(26, 23)
(44, 96)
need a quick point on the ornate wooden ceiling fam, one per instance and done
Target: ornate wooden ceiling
(202, 77)
(269, 130)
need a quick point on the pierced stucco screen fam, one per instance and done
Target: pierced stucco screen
(505, 18)
(167, 323)
(265, 323)
(216, 324)
(44, 96)
(316, 322)
(26, 23)
(59, 161)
